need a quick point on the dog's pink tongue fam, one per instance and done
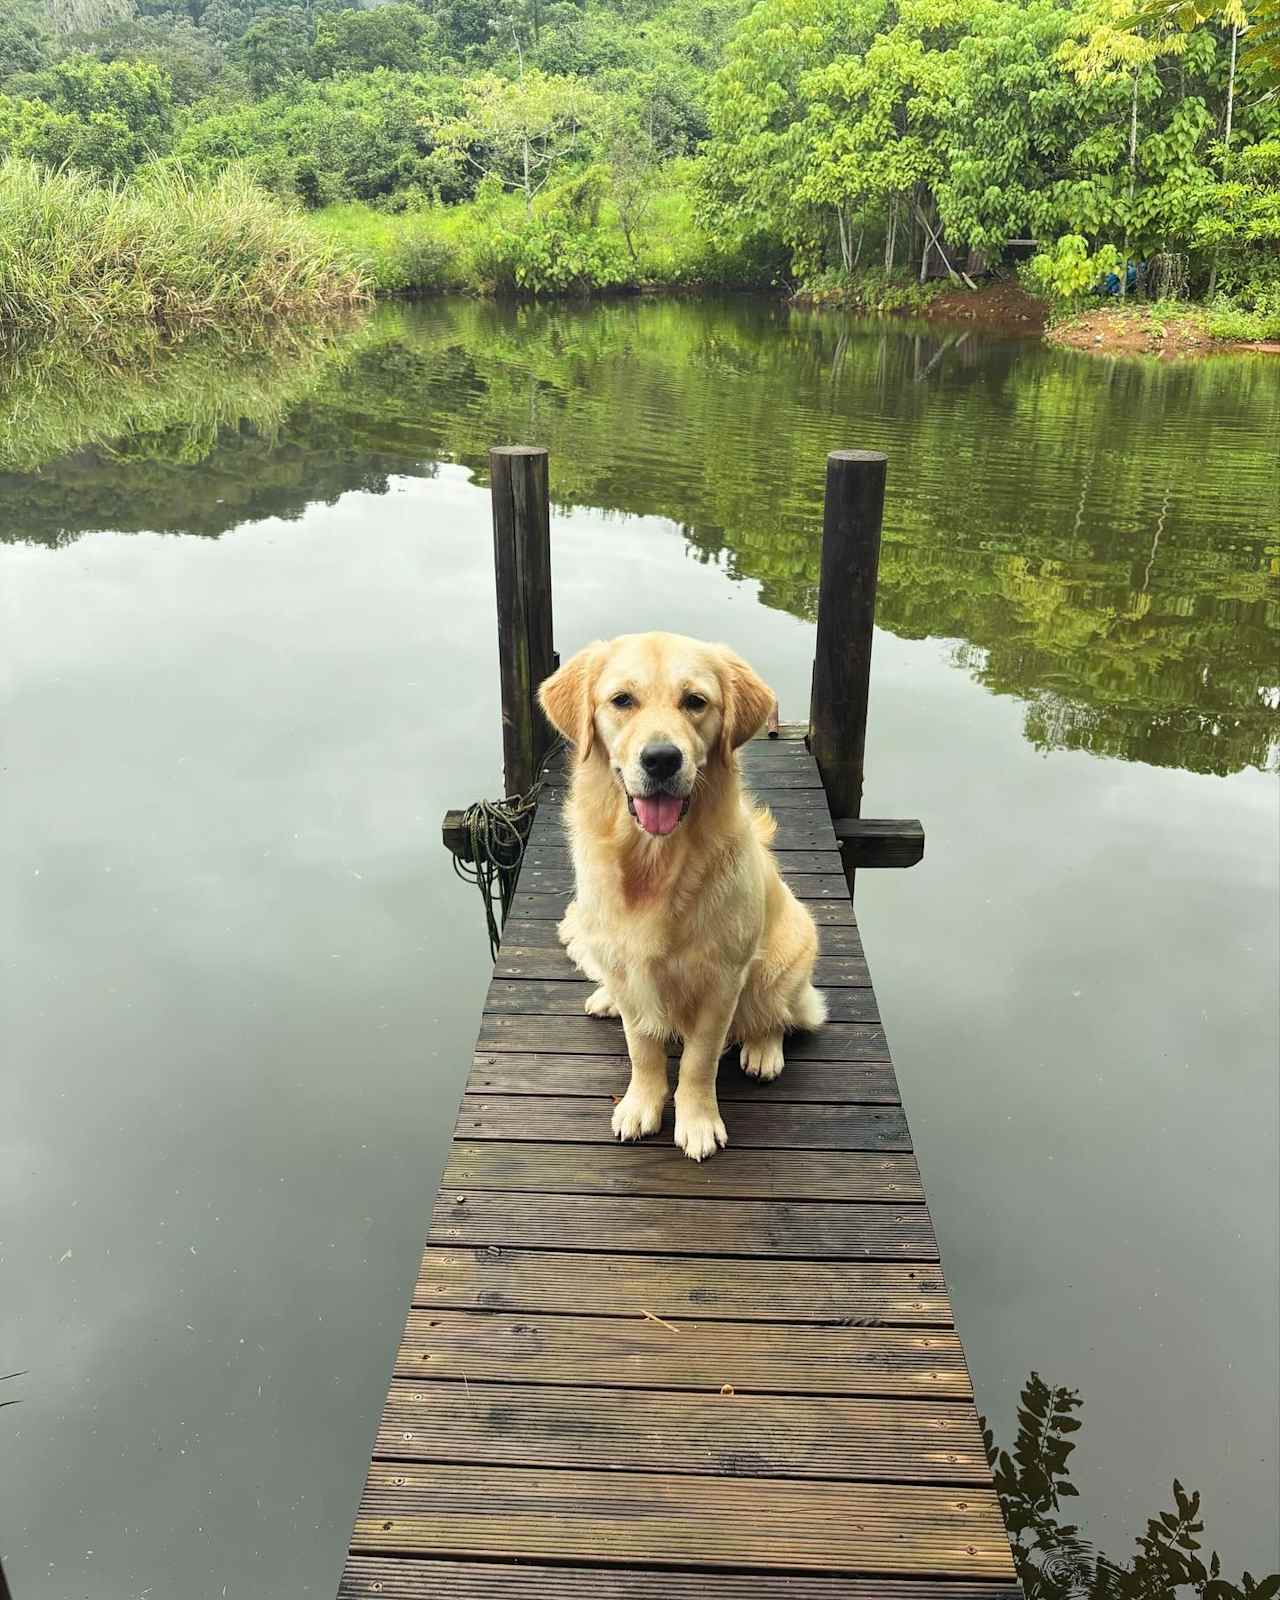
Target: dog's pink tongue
(657, 813)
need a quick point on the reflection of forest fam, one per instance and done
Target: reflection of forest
(1102, 541)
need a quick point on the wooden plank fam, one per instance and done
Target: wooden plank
(549, 858)
(552, 964)
(804, 885)
(635, 1353)
(767, 753)
(880, 841)
(541, 934)
(754, 1436)
(782, 771)
(629, 1517)
(834, 1041)
(776, 774)
(657, 1168)
(811, 1230)
(861, 1293)
(803, 1082)
(549, 998)
(798, 829)
(826, 909)
(387, 1578)
(790, 797)
(761, 1125)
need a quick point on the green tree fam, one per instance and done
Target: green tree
(101, 117)
(24, 42)
(630, 141)
(275, 50)
(392, 36)
(829, 118)
(1014, 122)
(520, 132)
(189, 57)
(759, 159)
(368, 137)
(1111, 50)
(1239, 226)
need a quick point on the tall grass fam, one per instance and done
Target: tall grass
(166, 248)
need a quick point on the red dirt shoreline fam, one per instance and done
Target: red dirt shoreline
(1003, 305)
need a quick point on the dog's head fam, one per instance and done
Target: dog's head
(660, 709)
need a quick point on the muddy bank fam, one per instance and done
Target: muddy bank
(1140, 330)
(1000, 304)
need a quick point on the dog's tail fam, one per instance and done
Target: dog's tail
(810, 1009)
(766, 824)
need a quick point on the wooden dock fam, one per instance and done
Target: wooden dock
(799, 1423)
(628, 1375)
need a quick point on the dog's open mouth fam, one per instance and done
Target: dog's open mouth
(658, 813)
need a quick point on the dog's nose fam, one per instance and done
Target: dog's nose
(661, 760)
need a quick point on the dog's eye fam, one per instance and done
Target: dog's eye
(694, 702)
(623, 702)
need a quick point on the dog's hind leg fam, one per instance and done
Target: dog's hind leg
(762, 1057)
(567, 928)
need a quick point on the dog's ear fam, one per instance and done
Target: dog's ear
(567, 697)
(748, 700)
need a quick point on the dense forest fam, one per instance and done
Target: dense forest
(545, 146)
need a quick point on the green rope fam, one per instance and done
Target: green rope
(497, 832)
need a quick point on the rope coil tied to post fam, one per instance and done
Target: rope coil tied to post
(488, 842)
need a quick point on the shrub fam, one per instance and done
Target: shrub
(104, 117)
(548, 254)
(1067, 272)
(872, 290)
(1227, 320)
(402, 254)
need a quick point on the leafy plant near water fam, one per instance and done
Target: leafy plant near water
(1054, 1562)
(168, 249)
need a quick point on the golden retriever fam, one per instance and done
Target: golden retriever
(680, 914)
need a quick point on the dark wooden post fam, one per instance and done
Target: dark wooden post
(846, 611)
(522, 567)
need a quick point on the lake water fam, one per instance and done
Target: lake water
(249, 661)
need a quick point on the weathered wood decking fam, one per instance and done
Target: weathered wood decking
(546, 1436)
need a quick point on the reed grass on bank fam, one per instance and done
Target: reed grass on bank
(165, 248)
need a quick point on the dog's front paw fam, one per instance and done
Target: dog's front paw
(762, 1058)
(636, 1115)
(600, 1003)
(699, 1130)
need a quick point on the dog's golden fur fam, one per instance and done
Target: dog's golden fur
(691, 934)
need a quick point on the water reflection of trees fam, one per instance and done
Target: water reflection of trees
(1100, 542)
(1033, 1480)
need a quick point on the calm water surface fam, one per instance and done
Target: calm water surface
(249, 660)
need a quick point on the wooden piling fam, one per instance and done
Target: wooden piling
(522, 570)
(852, 516)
